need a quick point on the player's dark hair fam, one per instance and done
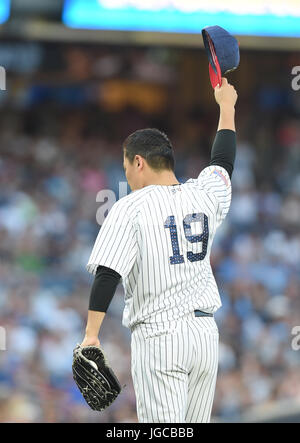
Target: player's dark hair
(153, 145)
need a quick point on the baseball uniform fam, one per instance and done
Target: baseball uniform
(158, 239)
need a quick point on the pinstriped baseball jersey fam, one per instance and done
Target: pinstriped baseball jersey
(159, 240)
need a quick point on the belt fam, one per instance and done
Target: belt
(199, 313)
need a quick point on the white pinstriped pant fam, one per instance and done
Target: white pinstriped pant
(174, 370)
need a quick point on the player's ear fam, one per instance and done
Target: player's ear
(138, 160)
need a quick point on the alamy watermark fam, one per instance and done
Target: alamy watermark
(108, 198)
(296, 340)
(2, 339)
(296, 79)
(2, 79)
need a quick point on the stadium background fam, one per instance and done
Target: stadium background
(68, 105)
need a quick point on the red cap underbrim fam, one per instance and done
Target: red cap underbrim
(215, 77)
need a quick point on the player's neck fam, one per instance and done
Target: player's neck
(165, 178)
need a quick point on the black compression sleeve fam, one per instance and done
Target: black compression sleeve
(224, 150)
(103, 289)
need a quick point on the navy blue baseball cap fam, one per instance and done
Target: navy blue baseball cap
(222, 50)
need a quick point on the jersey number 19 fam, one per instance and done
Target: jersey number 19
(199, 238)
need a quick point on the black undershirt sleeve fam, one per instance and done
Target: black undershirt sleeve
(224, 150)
(103, 289)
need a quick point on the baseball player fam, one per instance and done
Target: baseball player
(157, 241)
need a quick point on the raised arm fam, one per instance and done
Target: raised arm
(226, 97)
(224, 146)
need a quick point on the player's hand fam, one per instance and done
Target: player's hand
(90, 341)
(225, 95)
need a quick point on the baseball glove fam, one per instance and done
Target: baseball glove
(94, 377)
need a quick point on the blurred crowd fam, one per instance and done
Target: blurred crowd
(58, 151)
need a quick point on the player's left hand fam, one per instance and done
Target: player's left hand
(90, 341)
(94, 377)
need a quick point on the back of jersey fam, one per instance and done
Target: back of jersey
(166, 235)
